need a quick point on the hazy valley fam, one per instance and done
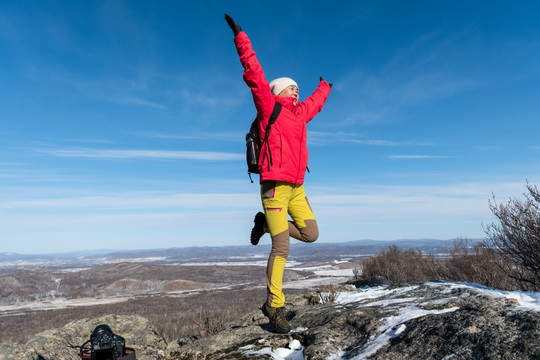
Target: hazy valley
(38, 292)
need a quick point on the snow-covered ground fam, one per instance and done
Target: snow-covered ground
(527, 300)
(295, 351)
(408, 310)
(58, 303)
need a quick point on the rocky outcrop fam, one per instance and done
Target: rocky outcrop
(423, 321)
(420, 321)
(64, 343)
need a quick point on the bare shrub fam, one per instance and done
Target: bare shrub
(516, 239)
(357, 272)
(465, 261)
(476, 263)
(508, 259)
(208, 325)
(395, 266)
(327, 293)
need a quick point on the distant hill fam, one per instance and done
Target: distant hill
(241, 253)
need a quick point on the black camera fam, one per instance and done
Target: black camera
(105, 345)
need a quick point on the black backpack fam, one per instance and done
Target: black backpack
(253, 144)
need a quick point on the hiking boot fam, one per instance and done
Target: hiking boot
(258, 228)
(277, 317)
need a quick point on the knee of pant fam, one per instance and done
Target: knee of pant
(310, 234)
(311, 237)
(280, 244)
(281, 252)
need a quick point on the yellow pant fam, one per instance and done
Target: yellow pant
(279, 200)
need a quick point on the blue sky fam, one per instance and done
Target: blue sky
(123, 122)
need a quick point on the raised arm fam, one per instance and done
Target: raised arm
(253, 72)
(315, 102)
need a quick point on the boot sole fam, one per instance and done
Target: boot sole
(259, 223)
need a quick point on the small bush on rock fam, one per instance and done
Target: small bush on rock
(465, 261)
(516, 239)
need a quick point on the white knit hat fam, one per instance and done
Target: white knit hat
(277, 85)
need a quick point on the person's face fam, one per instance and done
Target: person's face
(290, 91)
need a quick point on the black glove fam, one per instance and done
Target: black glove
(236, 29)
(328, 83)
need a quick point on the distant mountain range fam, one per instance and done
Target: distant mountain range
(205, 254)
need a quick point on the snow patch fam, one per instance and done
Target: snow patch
(410, 307)
(527, 300)
(295, 351)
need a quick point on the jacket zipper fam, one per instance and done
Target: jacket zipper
(300, 152)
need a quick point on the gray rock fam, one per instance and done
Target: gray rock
(64, 343)
(13, 351)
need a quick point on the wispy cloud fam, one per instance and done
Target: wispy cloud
(91, 141)
(381, 97)
(407, 211)
(326, 138)
(374, 142)
(135, 100)
(135, 200)
(374, 203)
(418, 157)
(422, 72)
(142, 154)
(214, 136)
(205, 99)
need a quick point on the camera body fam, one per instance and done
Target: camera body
(105, 345)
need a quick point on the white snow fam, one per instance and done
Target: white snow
(448, 357)
(295, 351)
(227, 263)
(325, 270)
(335, 272)
(527, 300)
(58, 303)
(393, 325)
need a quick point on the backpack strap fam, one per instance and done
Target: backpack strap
(274, 115)
(271, 121)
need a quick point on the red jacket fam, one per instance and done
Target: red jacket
(288, 140)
